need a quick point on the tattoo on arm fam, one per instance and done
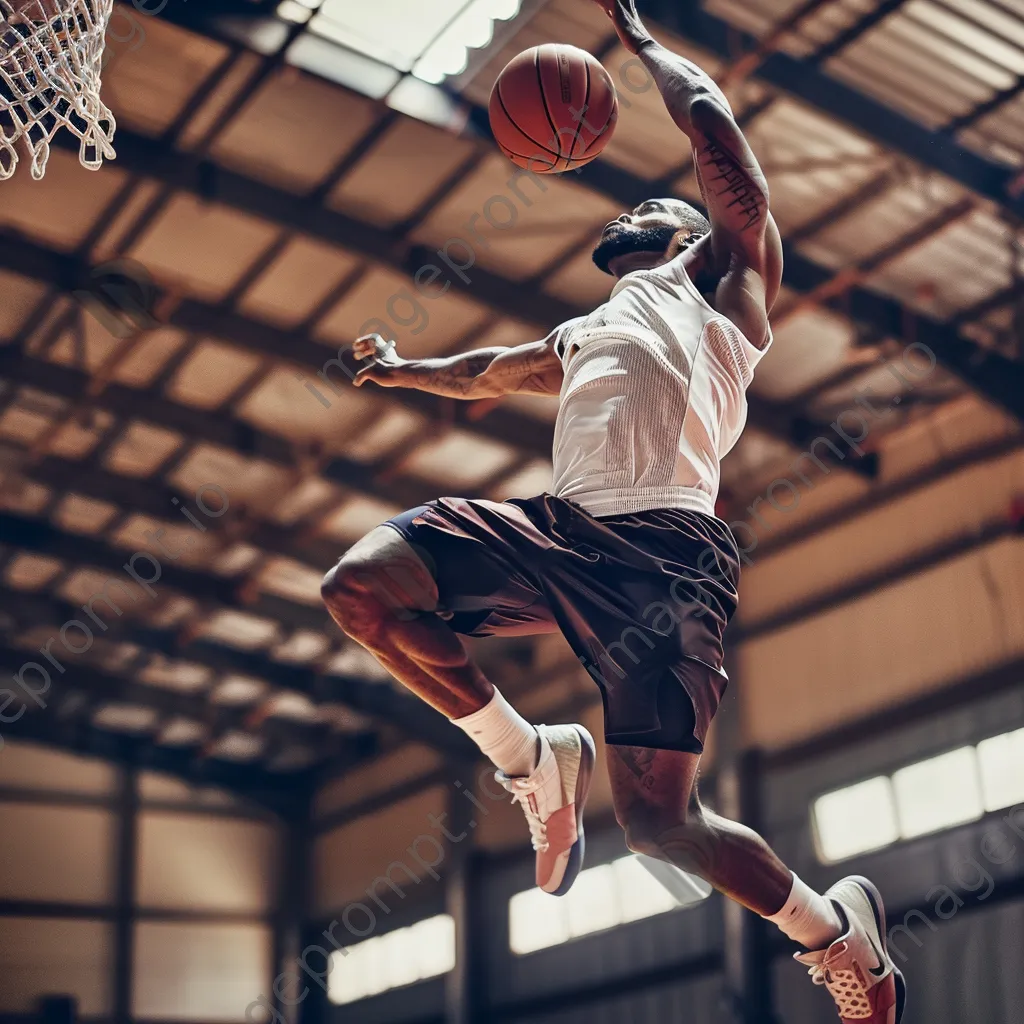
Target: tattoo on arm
(640, 761)
(460, 376)
(726, 179)
(487, 372)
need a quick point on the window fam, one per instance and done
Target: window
(1001, 767)
(402, 957)
(938, 793)
(602, 897)
(855, 820)
(928, 796)
(431, 40)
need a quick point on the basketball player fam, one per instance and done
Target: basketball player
(625, 556)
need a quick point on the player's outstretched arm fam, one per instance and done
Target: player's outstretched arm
(734, 187)
(532, 369)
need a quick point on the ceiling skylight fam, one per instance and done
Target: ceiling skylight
(432, 40)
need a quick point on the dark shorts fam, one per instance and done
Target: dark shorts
(642, 599)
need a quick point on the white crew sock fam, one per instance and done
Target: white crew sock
(503, 735)
(808, 918)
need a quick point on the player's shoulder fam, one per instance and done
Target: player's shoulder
(559, 337)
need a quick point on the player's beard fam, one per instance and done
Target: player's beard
(626, 240)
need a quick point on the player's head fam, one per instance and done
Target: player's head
(643, 237)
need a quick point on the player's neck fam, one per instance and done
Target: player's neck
(631, 261)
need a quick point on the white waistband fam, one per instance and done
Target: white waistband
(615, 501)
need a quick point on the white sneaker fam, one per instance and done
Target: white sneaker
(857, 969)
(552, 798)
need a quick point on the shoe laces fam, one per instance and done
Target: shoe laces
(521, 789)
(845, 987)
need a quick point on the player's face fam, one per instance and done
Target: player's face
(637, 238)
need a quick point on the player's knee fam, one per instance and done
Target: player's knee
(684, 839)
(641, 839)
(347, 590)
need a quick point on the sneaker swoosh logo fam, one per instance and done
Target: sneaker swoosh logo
(880, 970)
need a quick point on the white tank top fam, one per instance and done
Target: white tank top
(653, 397)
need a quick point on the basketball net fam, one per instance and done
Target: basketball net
(51, 57)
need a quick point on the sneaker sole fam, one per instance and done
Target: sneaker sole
(878, 910)
(588, 758)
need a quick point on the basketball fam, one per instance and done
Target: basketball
(553, 108)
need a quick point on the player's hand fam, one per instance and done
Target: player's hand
(385, 361)
(627, 23)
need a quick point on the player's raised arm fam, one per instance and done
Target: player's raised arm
(731, 181)
(533, 369)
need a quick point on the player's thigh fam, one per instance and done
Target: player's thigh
(480, 556)
(652, 790)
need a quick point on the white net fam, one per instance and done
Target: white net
(51, 57)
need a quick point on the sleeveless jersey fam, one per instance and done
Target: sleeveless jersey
(653, 397)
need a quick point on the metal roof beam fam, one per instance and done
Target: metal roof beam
(982, 370)
(938, 150)
(283, 793)
(40, 537)
(505, 425)
(380, 700)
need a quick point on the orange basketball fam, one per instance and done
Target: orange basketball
(553, 108)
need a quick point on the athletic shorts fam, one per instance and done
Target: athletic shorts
(642, 599)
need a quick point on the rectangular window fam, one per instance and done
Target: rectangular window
(855, 820)
(1001, 765)
(938, 793)
(931, 795)
(402, 957)
(602, 897)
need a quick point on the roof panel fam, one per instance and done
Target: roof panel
(20, 296)
(31, 572)
(808, 347)
(214, 104)
(931, 276)
(399, 172)
(380, 435)
(531, 480)
(144, 363)
(140, 449)
(1000, 132)
(248, 482)
(211, 374)
(459, 459)
(386, 302)
(153, 68)
(77, 514)
(61, 209)
(577, 280)
(99, 344)
(239, 629)
(173, 674)
(79, 437)
(202, 248)
(303, 500)
(514, 222)
(281, 404)
(889, 217)
(297, 282)
(294, 130)
(292, 580)
(356, 518)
